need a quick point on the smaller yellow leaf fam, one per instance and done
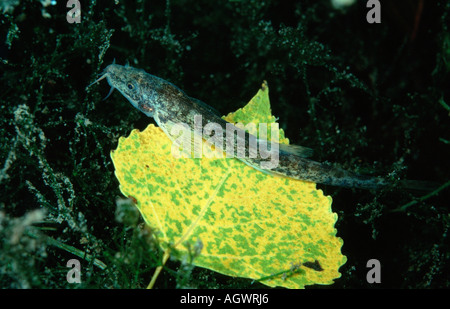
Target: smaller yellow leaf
(257, 111)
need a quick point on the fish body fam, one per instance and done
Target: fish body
(169, 105)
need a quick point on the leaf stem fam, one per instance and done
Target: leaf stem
(191, 228)
(159, 268)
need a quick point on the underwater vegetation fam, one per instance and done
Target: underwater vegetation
(372, 98)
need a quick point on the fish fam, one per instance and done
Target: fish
(168, 105)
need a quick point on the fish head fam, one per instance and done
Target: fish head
(131, 83)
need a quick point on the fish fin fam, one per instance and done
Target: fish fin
(296, 150)
(273, 173)
(182, 137)
(420, 185)
(206, 106)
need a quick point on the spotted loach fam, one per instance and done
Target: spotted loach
(169, 105)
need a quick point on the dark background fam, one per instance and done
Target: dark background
(367, 97)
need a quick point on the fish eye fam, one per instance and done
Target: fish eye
(130, 86)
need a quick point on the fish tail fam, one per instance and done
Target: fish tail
(348, 179)
(304, 169)
(322, 173)
(355, 180)
(419, 185)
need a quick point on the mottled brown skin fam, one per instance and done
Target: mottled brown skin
(167, 103)
(305, 169)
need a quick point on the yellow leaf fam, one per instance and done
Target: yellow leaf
(257, 111)
(250, 224)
